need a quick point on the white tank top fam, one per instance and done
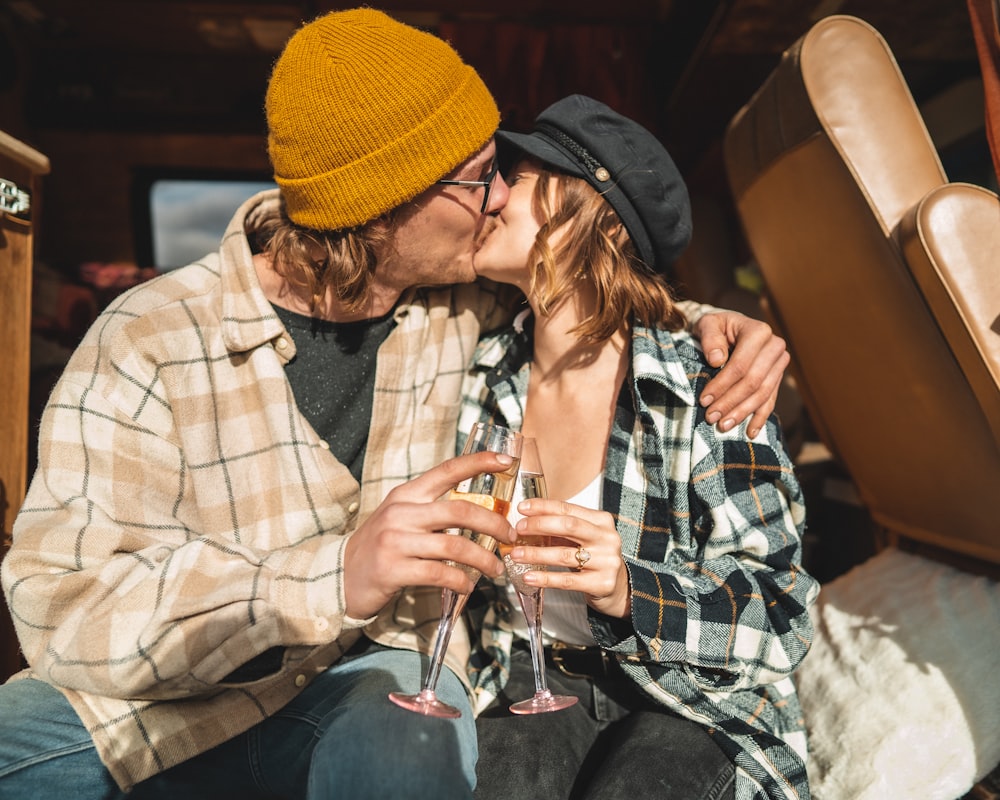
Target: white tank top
(564, 614)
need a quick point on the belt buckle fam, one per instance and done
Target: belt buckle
(557, 648)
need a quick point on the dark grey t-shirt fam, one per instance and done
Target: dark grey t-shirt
(333, 378)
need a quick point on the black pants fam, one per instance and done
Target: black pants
(614, 744)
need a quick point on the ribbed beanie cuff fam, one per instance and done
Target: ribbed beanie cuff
(364, 113)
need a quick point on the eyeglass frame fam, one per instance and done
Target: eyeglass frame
(486, 183)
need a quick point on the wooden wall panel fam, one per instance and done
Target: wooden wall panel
(20, 166)
(88, 197)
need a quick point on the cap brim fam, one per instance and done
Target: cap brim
(511, 146)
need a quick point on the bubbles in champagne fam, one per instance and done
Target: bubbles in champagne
(532, 485)
(489, 502)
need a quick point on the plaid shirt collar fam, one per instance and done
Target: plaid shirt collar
(654, 359)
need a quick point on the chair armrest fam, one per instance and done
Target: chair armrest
(951, 242)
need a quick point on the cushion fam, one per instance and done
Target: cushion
(901, 689)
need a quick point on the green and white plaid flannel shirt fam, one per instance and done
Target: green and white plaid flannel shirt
(711, 527)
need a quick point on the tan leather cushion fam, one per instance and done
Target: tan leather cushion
(840, 79)
(951, 242)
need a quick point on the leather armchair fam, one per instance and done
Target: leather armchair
(885, 280)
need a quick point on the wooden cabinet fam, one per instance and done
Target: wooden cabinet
(21, 168)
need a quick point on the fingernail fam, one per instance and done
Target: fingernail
(505, 458)
(707, 399)
(716, 356)
(516, 553)
(713, 417)
(524, 505)
(752, 433)
(726, 424)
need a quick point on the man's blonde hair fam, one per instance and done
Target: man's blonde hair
(313, 262)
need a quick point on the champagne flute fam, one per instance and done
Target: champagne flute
(492, 490)
(531, 483)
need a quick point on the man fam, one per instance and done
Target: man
(239, 469)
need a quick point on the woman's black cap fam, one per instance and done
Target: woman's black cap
(623, 161)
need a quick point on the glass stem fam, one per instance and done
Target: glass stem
(532, 605)
(452, 604)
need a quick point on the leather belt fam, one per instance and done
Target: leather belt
(577, 661)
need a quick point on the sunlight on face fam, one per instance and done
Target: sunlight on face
(505, 249)
(435, 240)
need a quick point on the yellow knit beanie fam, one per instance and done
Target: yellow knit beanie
(364, 113)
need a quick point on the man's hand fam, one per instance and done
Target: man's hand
(748, 383)
(401, 543)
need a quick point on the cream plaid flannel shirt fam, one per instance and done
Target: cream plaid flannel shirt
(186, 517)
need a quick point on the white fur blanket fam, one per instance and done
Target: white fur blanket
(901, 690)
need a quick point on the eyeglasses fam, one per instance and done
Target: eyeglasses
(486, 183)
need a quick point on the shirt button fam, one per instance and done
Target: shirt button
(322, 624)
(300, 680)
(353, 508)
(324, 444)
(282, 343)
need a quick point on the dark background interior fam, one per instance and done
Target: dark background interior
(109, 89)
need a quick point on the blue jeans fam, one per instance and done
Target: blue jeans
(615, 744)
(340, 738)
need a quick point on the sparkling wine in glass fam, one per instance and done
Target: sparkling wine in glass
(492, 490)
(531, 483)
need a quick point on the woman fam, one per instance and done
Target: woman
(675, 594)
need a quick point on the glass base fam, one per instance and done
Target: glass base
(542, 703)
(426, 703)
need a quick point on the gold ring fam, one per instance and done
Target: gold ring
(582, 557)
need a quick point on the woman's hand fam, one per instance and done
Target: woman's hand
(749, 381)
(583, 540)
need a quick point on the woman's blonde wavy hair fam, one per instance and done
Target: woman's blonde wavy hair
(592, 236)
